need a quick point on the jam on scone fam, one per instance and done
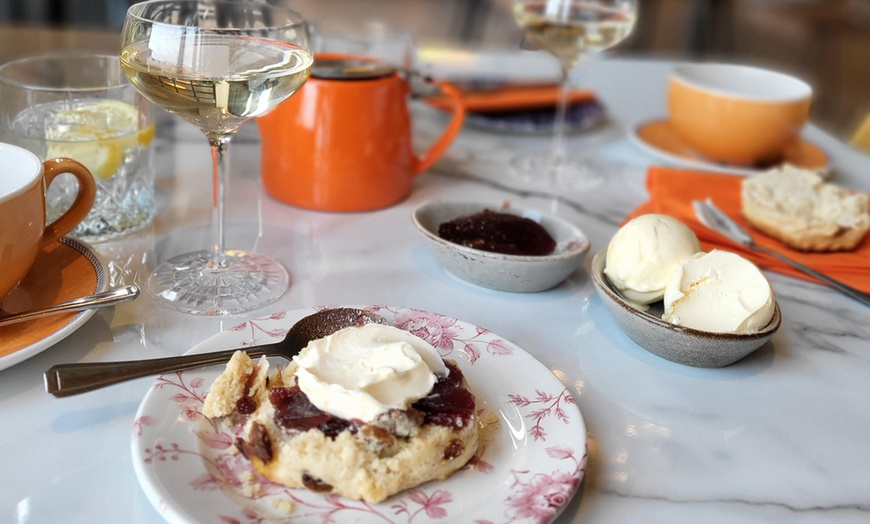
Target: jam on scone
(364, 413)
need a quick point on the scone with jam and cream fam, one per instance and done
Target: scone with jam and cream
(365, 413)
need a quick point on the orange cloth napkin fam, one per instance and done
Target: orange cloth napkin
(673, 190)
(514, 97)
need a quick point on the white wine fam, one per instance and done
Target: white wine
(578, 27)
(566, 29)
(228, 80)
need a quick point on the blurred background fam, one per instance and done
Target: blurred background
(825, 42)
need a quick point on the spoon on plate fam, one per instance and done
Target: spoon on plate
(65, 380)
(104, 299)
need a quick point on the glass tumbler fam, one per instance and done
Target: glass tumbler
(81, 106)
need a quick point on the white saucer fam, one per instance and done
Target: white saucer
(66, 270)
(535, 453)
(656, 138)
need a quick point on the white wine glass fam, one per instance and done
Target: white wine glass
(218, 64)
(567, 29)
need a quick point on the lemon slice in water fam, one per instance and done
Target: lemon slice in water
(95, 133)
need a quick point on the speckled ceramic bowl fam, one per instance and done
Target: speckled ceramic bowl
(514, 273)
(678, 344)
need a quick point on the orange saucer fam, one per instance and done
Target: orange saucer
(65, 270)
(657, 138)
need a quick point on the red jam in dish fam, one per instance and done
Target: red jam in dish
(498, 233)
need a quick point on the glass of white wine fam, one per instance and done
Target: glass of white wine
(218, 64)
(568, 29)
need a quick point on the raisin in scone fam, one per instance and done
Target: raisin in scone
(797, 207)
(364, 413)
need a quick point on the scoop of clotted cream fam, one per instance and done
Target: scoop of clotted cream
(720, 292)
(643, 254)
(362, 372)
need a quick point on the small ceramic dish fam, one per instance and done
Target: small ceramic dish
(513, 273)
(678, 344)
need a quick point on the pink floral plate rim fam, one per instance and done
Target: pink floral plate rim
(527, 469)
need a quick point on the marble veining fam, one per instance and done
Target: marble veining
(779, 437)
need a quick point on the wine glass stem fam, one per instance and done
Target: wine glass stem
(561, 115)
(220, 168)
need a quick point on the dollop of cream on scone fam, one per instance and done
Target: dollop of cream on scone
(364, 413)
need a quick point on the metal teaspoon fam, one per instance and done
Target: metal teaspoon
(65, 380)
(104, 299)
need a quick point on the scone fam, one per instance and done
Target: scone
(797, 207)
(375, 446)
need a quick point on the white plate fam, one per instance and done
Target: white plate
(64, 271)
(663, 144)
(527, 472)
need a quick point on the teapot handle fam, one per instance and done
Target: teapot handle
(439, 147)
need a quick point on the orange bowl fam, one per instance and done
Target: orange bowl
(738, 115)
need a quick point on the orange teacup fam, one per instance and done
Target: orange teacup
(738, 115)
(343, 142)
(23, 231)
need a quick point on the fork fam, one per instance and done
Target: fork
(713, 217)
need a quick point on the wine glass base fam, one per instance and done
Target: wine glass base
(247, 281)
(565, 172)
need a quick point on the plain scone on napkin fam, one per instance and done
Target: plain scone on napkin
(797, 207)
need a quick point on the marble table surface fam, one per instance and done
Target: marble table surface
(780, 436)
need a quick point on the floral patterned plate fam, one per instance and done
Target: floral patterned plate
(531, 461)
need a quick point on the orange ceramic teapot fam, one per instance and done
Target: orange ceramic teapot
(343, 142)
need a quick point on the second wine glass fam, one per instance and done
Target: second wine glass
(567, 29)
(218, 64)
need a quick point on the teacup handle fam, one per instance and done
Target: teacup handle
(82, 204)
(439, 147)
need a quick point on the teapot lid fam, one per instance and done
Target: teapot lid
(350, 69)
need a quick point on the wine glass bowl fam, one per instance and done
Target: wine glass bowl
(217, 64)
(567, 29)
